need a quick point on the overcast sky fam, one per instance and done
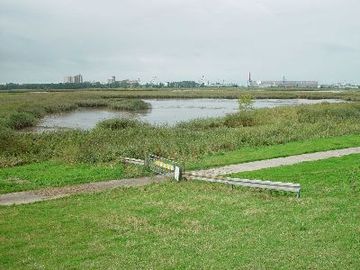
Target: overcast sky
(45, 40)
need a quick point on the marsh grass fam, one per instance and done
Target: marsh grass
(233, 93)
(186, 142)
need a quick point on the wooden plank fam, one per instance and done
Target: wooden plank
(164, 165)
(133, 161)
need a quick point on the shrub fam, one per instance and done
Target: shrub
(129, 105)
(6, 136)
(64, 107)
(120, 123)
(246, 103)
(241, 119)
(92, 103)
(21, 120)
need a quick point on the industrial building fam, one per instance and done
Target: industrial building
(282, 84)
(112, 80)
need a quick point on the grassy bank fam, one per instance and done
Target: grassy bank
(195, 225)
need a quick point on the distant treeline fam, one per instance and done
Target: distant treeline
(44, 86)
(117, 84)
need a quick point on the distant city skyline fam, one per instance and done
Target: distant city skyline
(43, 41)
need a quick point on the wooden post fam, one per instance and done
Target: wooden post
(177, 173)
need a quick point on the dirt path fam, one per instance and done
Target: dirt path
(54, 193)
(276, 162)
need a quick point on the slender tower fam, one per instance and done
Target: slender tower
(249, 80)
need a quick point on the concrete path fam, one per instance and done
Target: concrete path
(276, 162)
(54, 193)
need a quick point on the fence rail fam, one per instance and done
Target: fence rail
(164, 166)
(289, 187)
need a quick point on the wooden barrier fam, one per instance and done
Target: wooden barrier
(164, 166)
(133, 161)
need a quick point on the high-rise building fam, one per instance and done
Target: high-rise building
(68, 79)
(78, 78)
(281, 84)
(73, 79)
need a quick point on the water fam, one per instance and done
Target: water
(164, 111)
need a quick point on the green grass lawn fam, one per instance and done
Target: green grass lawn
(195, 225)
(54, 174)
(248, 154)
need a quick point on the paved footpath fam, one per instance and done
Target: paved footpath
(26, 197)
(276, 162)
(54, 193)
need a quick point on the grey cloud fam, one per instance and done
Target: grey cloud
(43, 40)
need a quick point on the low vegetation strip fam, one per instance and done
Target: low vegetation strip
(233, 93)
(195, 225)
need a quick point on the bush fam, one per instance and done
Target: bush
(64, 107)
(120, 123)
(129, 105)
(91, 103)
(241, 119)
(201, 124)
(6, 136)
(21, 120)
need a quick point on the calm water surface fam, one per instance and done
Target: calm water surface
(163, 111)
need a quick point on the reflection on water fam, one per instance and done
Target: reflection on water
(163, 111)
